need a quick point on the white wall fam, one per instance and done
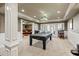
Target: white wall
(73, 34)
(73, 38)
(34, 27)
(76, 23)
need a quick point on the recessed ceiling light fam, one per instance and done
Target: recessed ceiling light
(34, 16)
(8, 8)
(22, 10)
(58, 12)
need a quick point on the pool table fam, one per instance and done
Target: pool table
(41, 36)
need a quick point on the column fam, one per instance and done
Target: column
(33, 28)
(11, 29)
(21, 26)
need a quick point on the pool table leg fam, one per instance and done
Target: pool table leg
(51, 37)
(44, 44)
(30, 41)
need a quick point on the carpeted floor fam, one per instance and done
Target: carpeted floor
(55, 47)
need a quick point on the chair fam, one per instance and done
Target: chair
(76, 51)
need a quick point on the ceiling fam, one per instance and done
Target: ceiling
(73, 11)
(50, 9)
(39, 9)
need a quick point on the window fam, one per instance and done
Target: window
(60, 26)
(52, 27)
(71, 24)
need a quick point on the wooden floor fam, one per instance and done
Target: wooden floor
(55, 47)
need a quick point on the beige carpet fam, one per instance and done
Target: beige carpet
(55, 47)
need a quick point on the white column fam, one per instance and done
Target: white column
(33, 28)
(21, 26)
(11, 29)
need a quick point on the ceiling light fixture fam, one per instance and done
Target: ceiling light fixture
(45, 15)
(8, 8)
(34, 16)
(22, 10)
(58, 12)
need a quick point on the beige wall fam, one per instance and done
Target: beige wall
(2, 24)
(19, 25)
